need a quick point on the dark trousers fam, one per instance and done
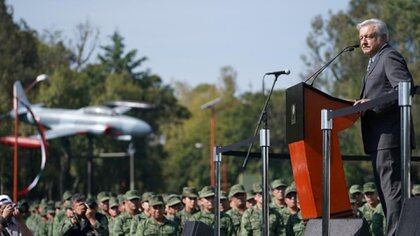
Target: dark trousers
(387, 170)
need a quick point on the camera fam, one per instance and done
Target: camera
(22, 206)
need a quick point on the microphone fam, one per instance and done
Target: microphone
(277, 73)
(315, 75)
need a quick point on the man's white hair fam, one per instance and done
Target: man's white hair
(380, 26)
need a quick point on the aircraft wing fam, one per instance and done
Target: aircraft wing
(63, 131)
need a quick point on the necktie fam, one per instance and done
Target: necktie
(369, 64)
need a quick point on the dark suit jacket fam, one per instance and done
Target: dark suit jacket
(381, 125)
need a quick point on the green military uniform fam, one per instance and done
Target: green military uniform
(113, 202)
(102, 197)
(235, 215)
(189, 192)
(137, 219)
(294, 222)
(45, 226)
(276, 184)
(122, 224)
(226, 225)
(151, 226)
(375, 217)
(172, 201)
(295, 225)
(61, 215)
(251, 223)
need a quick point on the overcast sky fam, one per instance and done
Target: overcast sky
(190, 40)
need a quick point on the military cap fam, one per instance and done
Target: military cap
(120, 198)
(131, 195)
(172, 200)
(146, 195)
(355, 188)
(290, 189)
(103, 196)
(352, 198)
(189, 192)
(113, 201)
(250, 195)
(67, 205)
(278, 183)
(223, 195)
(235, 189)
(257, 188)
(57, 205)
(43, 202)
(50, 209)
(416, 189)
(67, 196)
(207, 191)
(155, 200)
(369, 187)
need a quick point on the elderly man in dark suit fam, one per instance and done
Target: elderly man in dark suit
(381, 125)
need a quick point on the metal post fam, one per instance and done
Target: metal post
(90, 166)
(265, 144)
(217, 161)
(404, 101)
(326, 127)
(131, 151)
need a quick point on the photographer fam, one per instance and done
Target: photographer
(86, 220)
(11, 219)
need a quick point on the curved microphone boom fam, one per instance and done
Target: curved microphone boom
(319, 71)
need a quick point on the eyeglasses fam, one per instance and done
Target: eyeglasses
(368, 36)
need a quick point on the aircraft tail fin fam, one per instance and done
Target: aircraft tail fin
(19, 92)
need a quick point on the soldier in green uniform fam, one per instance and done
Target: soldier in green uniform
(46, 223)
(372, 210)
(84, 221)
(251, 223)
(224, 202)
(206, 215)
(357, 192)
(250, 199)
(173, 206)
(113, 213)
(144, 214)
(103, 203)
(293, 218)
(356, 212)
(278, 187)
(157, 224)
(416, 191)
(122, 224)
(237, 198)
(189, 199)
(33, 220)
(61, 215)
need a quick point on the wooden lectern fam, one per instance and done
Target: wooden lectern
(304, 136)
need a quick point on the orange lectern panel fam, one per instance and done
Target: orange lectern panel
(304, 135)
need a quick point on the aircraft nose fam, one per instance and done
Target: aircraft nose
(141, 128)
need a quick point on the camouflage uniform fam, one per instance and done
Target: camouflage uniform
(151, 227)
(235, 215)
(111, 220)
(61, 215)
(173, 200)
(184, 215)
(295, 225)
(226, 225)
(251, 223)
(375, 217)
(122, 224)
(137, 219)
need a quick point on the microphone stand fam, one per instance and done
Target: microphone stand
(264, 144)
(320, 70)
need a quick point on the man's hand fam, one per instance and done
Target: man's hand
(8, 211)
(90, 215)
(360, 101)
